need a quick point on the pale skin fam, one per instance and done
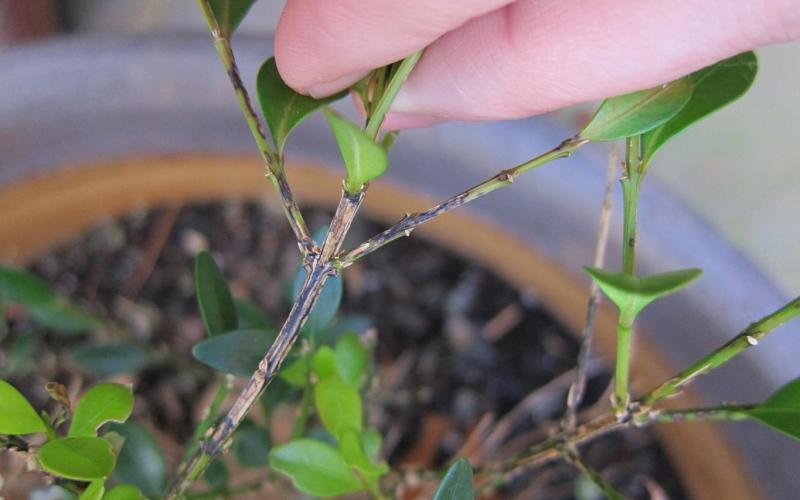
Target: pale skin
(499, 59)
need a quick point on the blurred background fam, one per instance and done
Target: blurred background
(739, 169)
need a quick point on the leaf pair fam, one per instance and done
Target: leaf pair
(631, 294)
(662, 112)
(45, 307)
(284, 109)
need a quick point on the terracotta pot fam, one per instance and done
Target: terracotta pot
(96, 128)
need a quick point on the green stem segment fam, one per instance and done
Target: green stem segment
(623, 363)
(631, 182)
(271, 160)
(746, 339)
(387, 97)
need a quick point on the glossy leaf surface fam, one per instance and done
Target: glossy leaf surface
(338, 406)
(229, 14)
(781, 411)
(638, 112)
(284, 108)
(364, 160)
(79, 458)
(713, 88)
(315, 468)
(140, 461)
(237, 352)
(103, 403)
(17, 416)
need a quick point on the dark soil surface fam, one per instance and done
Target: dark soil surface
(457, 348)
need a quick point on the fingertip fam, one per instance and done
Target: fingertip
(406, 121)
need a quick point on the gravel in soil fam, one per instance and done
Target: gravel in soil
(457, 349)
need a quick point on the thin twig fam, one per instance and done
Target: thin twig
(272, 161)
(411, 221)
(155, 244)
(574, 458)
(578, 387)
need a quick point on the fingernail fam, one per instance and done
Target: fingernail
(325, 89)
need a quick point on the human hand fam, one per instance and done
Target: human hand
(495, 59)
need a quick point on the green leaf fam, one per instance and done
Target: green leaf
(351, 359)
(354, 453)
(217, 474)
(111, 359)
(338, 405)
(229, 14)
(79, 458)
(237, 352)
(781, 411)
(315, 468)
(103, 403)
(363, 159)
(284, 108)
(714, 87)
(372, 441)
(46, 308)
(324, 363)
(252, 316)
(94, 491)
(295, 373)
(636, 113)
(631, 294)
(124, 492)
(17, 416)
(213, 296)
(251, 445)
(326, 307)
(457, 483)
(140, 461)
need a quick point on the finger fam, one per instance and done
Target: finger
(538, 55)
(323, 46)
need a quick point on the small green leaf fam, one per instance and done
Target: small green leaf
(213, 296)
(457, 483)
(295, 373)
(94, 491)
(363, 159)
(338, 405)
(237, 352)
(781, 411)
(79, 458)
(251, 316)
(217, 475)
(111, 359)
(124, 492)
(284, 108)
(229, 13)
(636, 113)
(140, 461)
(46, 308)
(103, 403)
(631, 294)
(326, 307)
(351, 359)
(17, 416)
(354, 453)
(714, 87)
(372, 441)
(315, 468)
(251, 445)
(324, 363)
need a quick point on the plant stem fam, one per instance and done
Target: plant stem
(631, 182)
(321, 270)
(272, 161)
(745, 340)
(411, 221)
(730, 413)
(572, 457)
(578, 387)
(622, 367)
(385, 100)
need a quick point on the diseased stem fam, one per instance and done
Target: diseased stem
(578, 387)
(729, 413)
(745, 340)
(411, 221)
(272, 161)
